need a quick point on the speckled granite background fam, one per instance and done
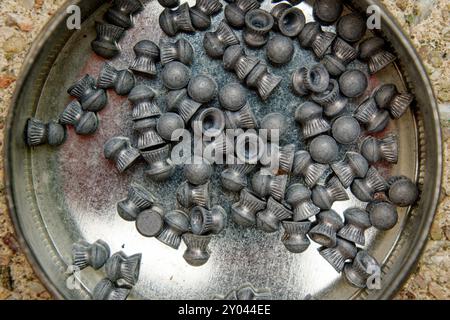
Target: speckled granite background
(425, 21)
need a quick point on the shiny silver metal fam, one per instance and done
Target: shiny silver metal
(189, 195)
(360, 269)
(197, 253)
(107, 290)
(294, 237)
(324, 232)
(160, 166)
(338, 255)
(48, 222)
(269, 220)
(122, 268)
(244, 211)
(138, 200)
(176, 223)
(204, 221)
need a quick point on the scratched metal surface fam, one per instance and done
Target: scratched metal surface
(77, 189)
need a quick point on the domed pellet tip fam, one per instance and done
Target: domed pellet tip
(120, 151)
(289, 20)
(199, 171)
(38, 133)
(331, 100)
(343, 251)
(169, 126)
(280, 50)
(177, 20)
(176, 223)
(313, 37)
(244, 211)
(327, 11)
(353, 83)
(94, 255)
(402, 191)
(105, 44)
(325, 196)
(202, 12)
(279, 160)
(122, 81)
(294, 237)
(388, 97)
(178, 101)
(160, 167)
(107, 290)
(361, 269)
(123, 267)
(202, 88)
(142, 99)
(236, 60)
(169, 3)
(265, 185)
(275, 124)
(234, 178)
(205, 221)
(261, 79)
(197, 253)
(180, 50)
(353, 166)
(356, 222)
(85, 123)
(175, 75)
(138, 200)
(310, 116)
(341, 55)
(148, 138)
(315, 79)
(375, 150)
(215, 43)
(258, 24)
(324, 149)
(324, 232)
(149, 223)
(299, 197)
(90, 97)
(190, 196)
(242, 119)
(365, 189)
(121, 12)
(383, 215)
(351, 27)
(269, 220)
(147, 55)
(374, 53)
(235, 12)
(304, 166)
(346, 130)
(233, 97)
(374, 119)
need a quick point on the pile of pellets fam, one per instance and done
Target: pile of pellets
(267, 200)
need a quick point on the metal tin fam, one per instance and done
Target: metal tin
(50, 211)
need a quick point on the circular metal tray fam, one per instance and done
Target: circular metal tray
(58, 196)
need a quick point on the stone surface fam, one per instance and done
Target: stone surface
(425, 21)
